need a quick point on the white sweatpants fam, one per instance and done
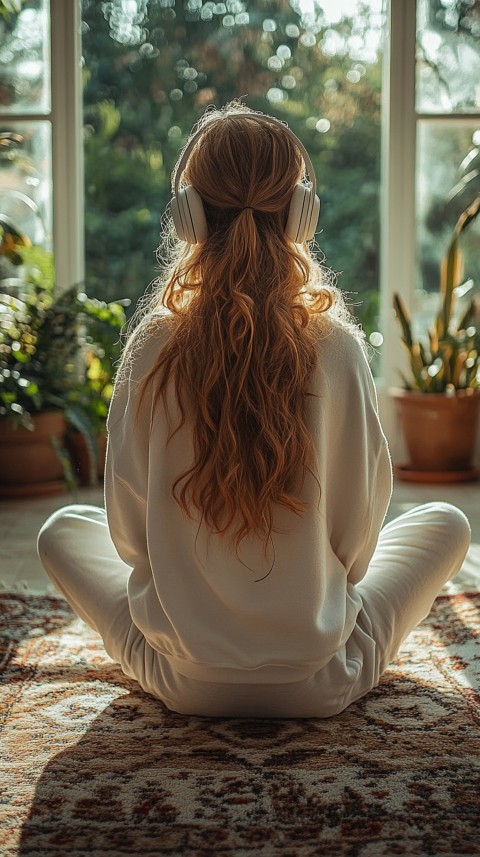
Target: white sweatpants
(416, 554)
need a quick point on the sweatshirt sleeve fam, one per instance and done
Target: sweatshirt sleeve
(354, 460)
(128, 452)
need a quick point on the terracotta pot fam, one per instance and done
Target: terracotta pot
(440, 431)
(29, 464)
(81, 463)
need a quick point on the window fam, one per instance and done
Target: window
(150, 70)
(41, 183)
(25, 139)
(430, 142)
(431, 120)
(448, 139)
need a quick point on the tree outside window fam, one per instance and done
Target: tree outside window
(150, 70)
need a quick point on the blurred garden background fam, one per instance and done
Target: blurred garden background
(151, 67)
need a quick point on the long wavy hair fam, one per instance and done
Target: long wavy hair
(242, 307)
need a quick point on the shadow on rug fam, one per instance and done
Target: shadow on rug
(95, 766)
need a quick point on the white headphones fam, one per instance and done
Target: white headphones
(187, 207)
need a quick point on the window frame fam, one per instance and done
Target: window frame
(397, 198)
(65, 119)
(67, 144)
(398, 249)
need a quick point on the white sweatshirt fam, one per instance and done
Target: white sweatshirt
(223, 619)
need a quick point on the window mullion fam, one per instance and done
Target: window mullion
(67, 143)
(398, 189)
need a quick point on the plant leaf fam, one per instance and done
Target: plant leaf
(404, 318)
(80, 421)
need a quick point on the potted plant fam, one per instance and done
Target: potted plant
(439, 405)
(43, 387)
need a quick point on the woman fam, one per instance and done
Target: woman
(241, 568)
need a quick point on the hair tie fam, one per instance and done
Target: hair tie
(247, 208)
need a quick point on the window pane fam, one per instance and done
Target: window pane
(448, 162)
(448, 56)
(25, 199)
(151, 68)
(25, 58)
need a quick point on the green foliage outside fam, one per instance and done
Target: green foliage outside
(147, 80)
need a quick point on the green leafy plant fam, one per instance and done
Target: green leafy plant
(9, 7)
(101, 324)
(38, 349)
(449, 358)
(10, 240)
(58, 353)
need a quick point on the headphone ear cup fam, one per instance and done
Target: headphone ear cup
(189, 216)
(312, 223)
(302, 214)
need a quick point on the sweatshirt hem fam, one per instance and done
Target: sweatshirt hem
(263, 674)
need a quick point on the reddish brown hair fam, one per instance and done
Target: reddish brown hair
(242, 349)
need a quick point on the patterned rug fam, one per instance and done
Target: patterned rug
(92, 765)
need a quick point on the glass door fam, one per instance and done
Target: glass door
(447, 143)
(26, 209)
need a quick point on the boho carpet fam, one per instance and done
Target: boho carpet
(92, 765)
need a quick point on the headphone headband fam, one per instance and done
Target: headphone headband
(187, 207)
(261, 118)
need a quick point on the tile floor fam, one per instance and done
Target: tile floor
(20, 521)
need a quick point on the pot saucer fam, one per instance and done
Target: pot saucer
(409, 474)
